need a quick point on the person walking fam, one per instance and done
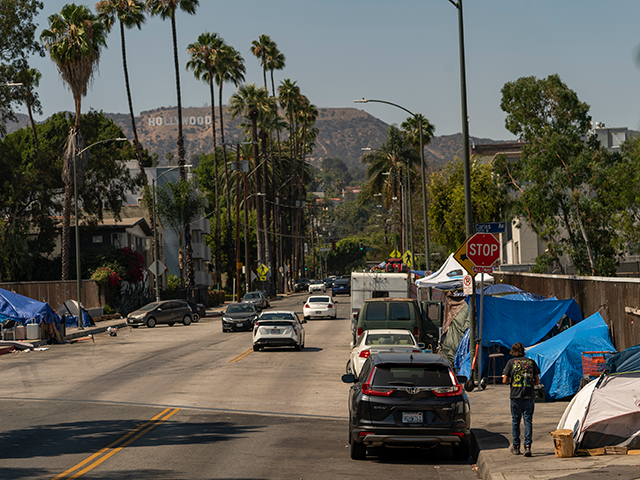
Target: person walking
(522, 374)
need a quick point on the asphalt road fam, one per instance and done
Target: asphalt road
(192, 402)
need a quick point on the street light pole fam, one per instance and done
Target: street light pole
(419, 117)
(75, 196)
(155, 230)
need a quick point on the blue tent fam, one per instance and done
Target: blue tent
(560, 357)
(625, 361)
(23, 309)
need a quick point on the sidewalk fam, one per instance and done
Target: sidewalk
(491, 428)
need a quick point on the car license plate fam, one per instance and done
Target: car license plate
(276, 332)
(411, 417)
(318, 312)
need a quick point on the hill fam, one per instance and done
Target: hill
(343, 133)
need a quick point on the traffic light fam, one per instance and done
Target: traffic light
(361, 246)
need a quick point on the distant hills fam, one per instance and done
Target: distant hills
(343, 133)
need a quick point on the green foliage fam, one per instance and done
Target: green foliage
(173, 282)
(573, 193)
(347, 256)
(216, 297)
(447, 206)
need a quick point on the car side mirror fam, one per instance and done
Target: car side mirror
(349, 378)
(461, 379)
(304, 320)
(422, 345)
(351, 345)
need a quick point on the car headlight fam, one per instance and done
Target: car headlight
(226, 319)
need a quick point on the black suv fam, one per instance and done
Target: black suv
(301, 285)
(408, 399)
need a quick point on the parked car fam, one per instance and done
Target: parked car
(239, 316)
(408, 399)
(342, 286)
(255, 298)
(301, 285)
(199, 311)
(318, 306)
(328, 282)
(380, 341)
(389, 312)
(168, 312)
(317, 286)
(266, 297)
(278, 329)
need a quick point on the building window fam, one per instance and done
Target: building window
(97, 239)
(617, 139)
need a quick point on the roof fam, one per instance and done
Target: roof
(416, 358)
(389, 331)
(390, 299)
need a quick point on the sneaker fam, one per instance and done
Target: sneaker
(527, 450)
(515, 449)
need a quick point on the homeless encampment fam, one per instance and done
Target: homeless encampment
(605, 413)
(23, 309)
(560, 357)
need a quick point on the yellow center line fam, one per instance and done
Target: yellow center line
(151, 424)
(241, 356)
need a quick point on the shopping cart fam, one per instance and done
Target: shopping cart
(593, 363)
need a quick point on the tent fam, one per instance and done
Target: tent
(605, 412)
(449, 276)
(625, 361)
(560, 357)
(24, 309)
(70, 309)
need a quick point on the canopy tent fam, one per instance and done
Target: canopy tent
(605, 413)
(24, 309)
(560, 357)
(509, 319)
(449, 276)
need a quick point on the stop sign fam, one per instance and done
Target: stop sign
(483, 249)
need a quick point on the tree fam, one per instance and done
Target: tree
(567, 189)
(30, 79)
(17, 43)
(178, 204)
(131, 14)
(260, 49)
(166, 9)
(74, 40)
(446, 191)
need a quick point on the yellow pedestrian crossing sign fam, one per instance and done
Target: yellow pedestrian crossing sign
(262, 272)
(407, 258)
(394, 254)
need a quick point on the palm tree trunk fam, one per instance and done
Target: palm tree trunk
(33, 128)
(259, 213)
(66, 222)
(266, 209)
(228, 237)
(218, 246)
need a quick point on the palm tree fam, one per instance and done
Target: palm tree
(131, 14)
(253, 101)
(203, 54)
(261, 48)
(166, 9)
(30, 79)
(74, 40)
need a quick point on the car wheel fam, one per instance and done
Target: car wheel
(462, 451)
(307, 318)
(196, 317)
(171, 324)
(297, 348)
(135, 326)
(358, 450)
(186, 320)
(151, 322)
(256, 348)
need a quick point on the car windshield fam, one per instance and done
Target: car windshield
(276, 316)
(241, 309)
(419, 375)
(318, 300)
(251, 295)
(148, 307)
(341, 282)
(389, 339)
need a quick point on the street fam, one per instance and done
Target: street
(192, 402)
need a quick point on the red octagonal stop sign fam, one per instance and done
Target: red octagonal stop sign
(483, 249)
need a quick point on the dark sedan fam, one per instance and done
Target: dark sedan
(341, 286)
(408, 399)
(301, 285)
(255, 298)
(239, 316)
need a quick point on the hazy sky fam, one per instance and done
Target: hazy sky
(405, 52)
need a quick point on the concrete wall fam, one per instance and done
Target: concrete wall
(609, 296)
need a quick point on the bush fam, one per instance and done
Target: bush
(216, 297)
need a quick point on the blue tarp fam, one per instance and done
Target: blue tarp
(560, 357)
(72, 320)
(23, 309)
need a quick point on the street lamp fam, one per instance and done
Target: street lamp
(156, 269)
(75, 197)
(418, 117)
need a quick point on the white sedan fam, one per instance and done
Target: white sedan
(380, 341)
(278, 329)
(319, 306)
(317, 286)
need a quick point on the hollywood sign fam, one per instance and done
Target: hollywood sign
(161, 120)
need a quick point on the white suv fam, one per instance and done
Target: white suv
(278, 329)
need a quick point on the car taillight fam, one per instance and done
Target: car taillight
(416, 331)
(293, 324)
(416, 350)
(367, 389)
(307, 306)
(256, 324)
(449, 391)
(359, 331)
(329, 306)
(364, 354)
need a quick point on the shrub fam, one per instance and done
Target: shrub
(216, 297)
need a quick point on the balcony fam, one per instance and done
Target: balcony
(201, 251)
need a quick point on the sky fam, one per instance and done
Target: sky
(404, 52)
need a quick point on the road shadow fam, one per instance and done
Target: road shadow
(486, 440)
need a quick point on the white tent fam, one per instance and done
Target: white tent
(449, 276)
(606, 412)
